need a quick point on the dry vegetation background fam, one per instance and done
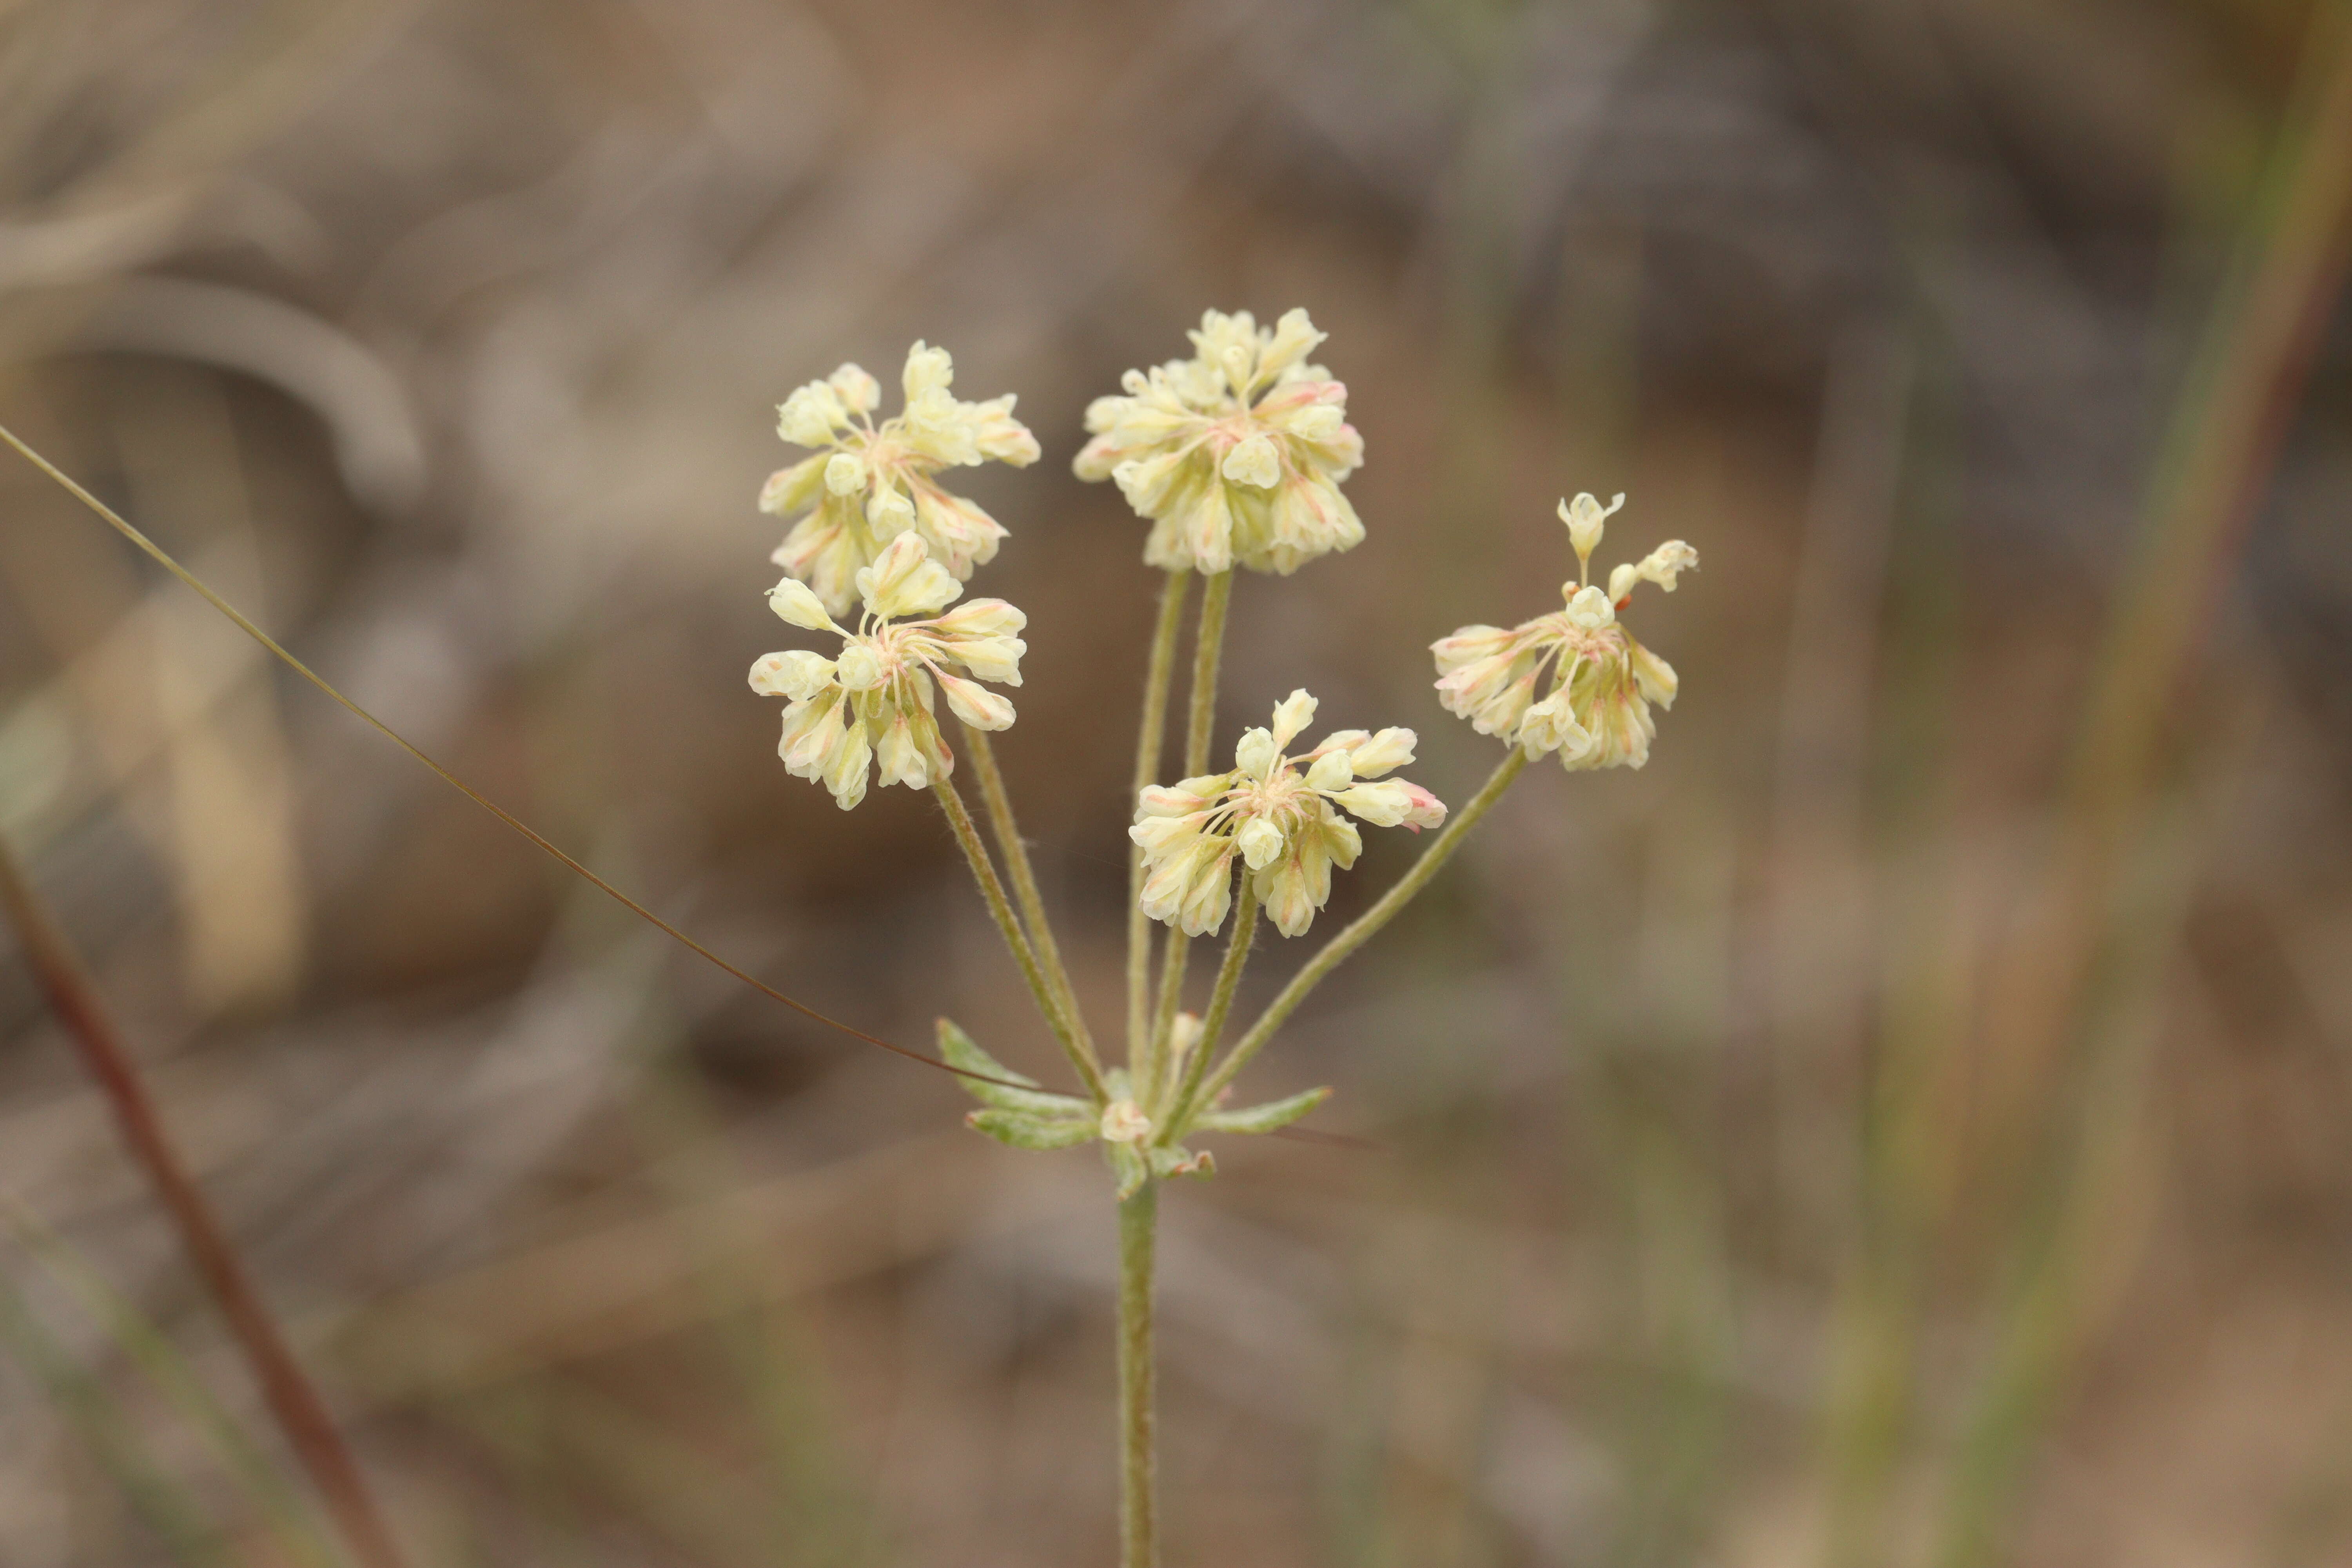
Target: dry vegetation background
(1803, 1151)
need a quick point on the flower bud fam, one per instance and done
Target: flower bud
(975, 704)
(858, 669)
(811, 414)
(1332, 770)
(1384, 804)
(797, 674)
(1260, 842)
(905, 580)
(859, 391)
(1384, 752)
(888, 512)
(1294, 713)
(929, 370)
(1253, 462)
(794, 602)
(1255, 753)
(1588, 609)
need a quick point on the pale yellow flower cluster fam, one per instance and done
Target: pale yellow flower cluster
(1280, 815)
(1237, 454)
(1595, 710)
(874, 702)
(867, 484)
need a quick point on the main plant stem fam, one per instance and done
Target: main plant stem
(1147, 1058)
(300, 1413)
(1000, 908)
(1138, 1524)
(1208, 649)
(1159, 674)
(1009, 844)
(1358, 932)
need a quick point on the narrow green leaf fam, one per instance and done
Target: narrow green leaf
(958, 1049)
(1265, 1117)
(1127, 1163)
(1023, 1131)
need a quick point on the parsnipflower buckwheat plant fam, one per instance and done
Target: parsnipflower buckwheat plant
(1234, 457)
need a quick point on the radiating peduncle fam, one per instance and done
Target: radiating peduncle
(1352, 937)
(1199, 728)
(1159, 675)
(1000, 908)
(1024, 878)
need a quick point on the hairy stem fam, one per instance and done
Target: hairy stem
(1000, 908)
(1009, 844)
(1208, 649)
(1221, 1003)
(1159, 675)
(293, 1400)
(1138, 1524)
(1358, 932)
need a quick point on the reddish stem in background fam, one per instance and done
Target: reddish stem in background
(291, 1396)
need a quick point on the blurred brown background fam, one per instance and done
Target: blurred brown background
(1905, 1124)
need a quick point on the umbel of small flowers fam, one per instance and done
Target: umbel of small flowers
(1281, 814)
(874, 702)
(868, 483)
(1595, 711)
(1237, 454)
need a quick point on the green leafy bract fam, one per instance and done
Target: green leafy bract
(1023, 1131)
(960, 1050)
(1266, 1117)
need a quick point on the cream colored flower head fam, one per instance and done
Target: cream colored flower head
(1597, 683)
(870, 483)
(873, 704)
(1237, 454)
(1280, 815)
